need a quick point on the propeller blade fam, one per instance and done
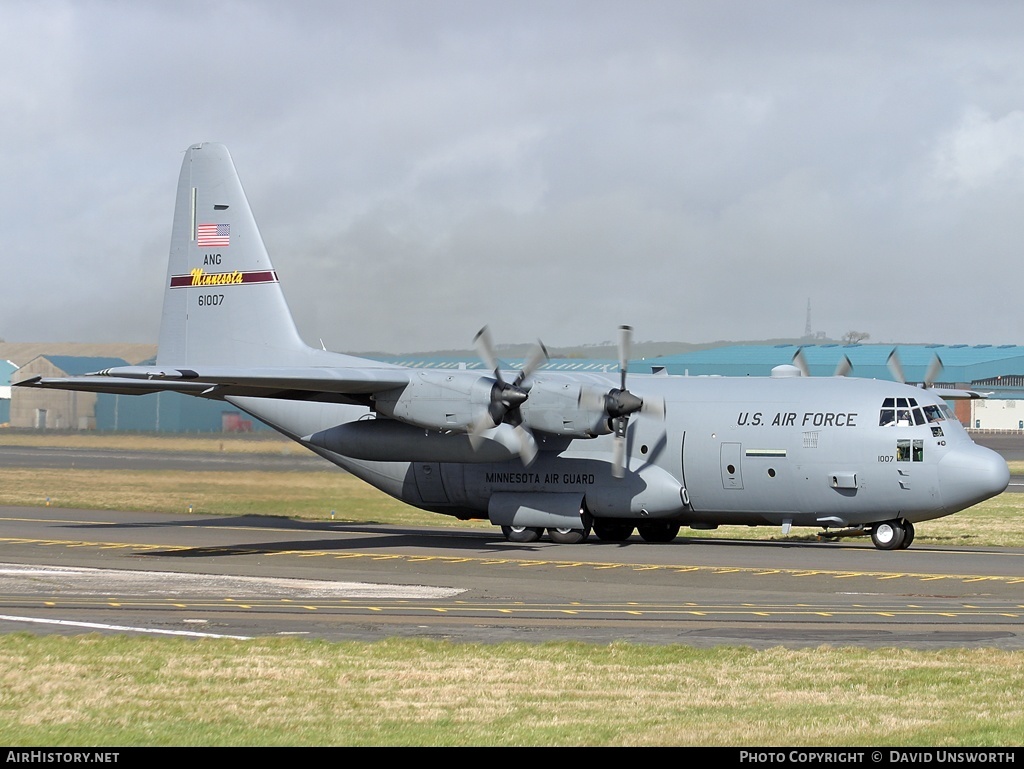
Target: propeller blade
(619, 456)
(518, 440)
(844, 366)
(934, 369)
(482, 424)
(538, 357)
(590, 398)
(625, 342)
(800, 361)
(485, 349)
(655, 406)
(528, 448)
(896, 367)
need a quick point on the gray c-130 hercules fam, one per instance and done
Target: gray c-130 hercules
(538, 451)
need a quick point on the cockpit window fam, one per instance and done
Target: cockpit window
(904, 412)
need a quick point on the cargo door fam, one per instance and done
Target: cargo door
(429, 482)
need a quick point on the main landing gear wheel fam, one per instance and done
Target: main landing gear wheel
(568, 536)
(908, 535)
(658, 531)
(613, 532)
(521, 533)
(889, 535)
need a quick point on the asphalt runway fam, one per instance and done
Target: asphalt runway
(80, 571)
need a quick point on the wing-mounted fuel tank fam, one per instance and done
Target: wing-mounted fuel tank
(388, 440)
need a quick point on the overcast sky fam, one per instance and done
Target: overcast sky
(420, 168)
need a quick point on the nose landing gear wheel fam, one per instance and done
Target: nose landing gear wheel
(521, 533)
(889, 535)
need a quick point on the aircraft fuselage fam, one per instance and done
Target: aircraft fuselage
(757, 451)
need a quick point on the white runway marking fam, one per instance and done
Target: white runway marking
(69, 581)
(15, 578)
(119, 628)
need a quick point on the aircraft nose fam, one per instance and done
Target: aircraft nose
(970, 474)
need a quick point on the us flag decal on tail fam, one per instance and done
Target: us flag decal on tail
(218, 235)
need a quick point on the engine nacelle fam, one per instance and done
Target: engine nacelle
(438, 400)
(565, 409)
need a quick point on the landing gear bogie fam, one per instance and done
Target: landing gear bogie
(522, 534)
(568, 536)
(658, 531)
(892, 535)
(611, 531)
(908, 535)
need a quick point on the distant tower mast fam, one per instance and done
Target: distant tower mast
(807, 329)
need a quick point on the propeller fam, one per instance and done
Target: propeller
(800, 361)
(620, 403)
(507, 397)
(896, 368)
(844, 366)
(934, 369)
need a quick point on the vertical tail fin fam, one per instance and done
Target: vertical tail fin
(223, 303)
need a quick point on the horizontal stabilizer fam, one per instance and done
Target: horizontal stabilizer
(113, 385)
(220, 381)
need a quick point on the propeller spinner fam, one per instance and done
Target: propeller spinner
(507, 397)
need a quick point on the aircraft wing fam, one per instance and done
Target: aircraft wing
(951, 394)
(303, 383)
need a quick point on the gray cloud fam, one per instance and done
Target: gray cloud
(699, 170)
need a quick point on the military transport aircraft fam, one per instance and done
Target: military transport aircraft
(538, 451)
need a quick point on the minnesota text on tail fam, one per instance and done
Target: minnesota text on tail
(536, 451)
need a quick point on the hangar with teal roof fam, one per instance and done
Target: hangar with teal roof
(961, 363)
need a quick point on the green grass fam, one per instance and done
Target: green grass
(241, 443)
(120, 691)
